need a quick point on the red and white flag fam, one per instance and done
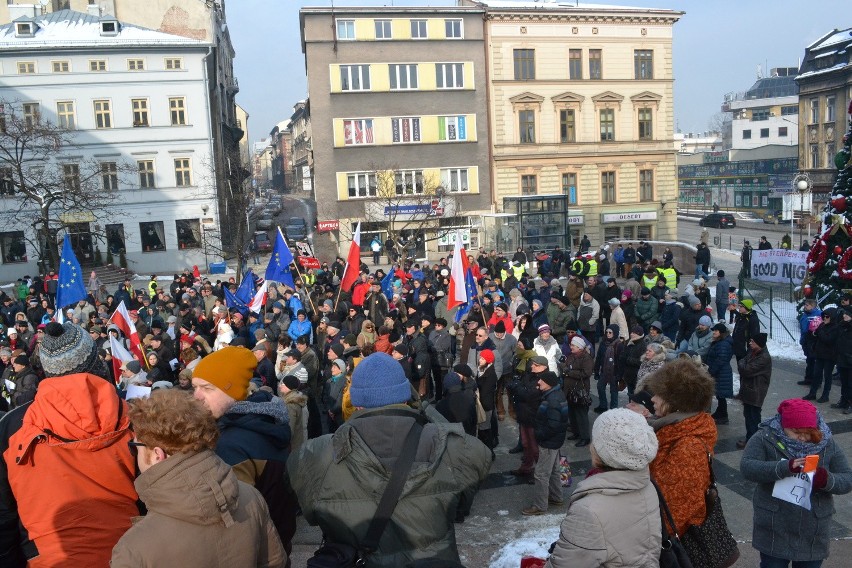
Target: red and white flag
(353, 261)
(457, 292)
(120, 355)
(259, 300)
(121, 319)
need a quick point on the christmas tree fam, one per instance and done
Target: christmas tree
(830, 257)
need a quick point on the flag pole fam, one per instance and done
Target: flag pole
(299, 272)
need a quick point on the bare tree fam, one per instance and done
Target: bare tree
(41, 170)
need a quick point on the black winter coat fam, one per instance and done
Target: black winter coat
(552, 418)
(418, 351)
(688, 323)
(487, 384)
(826, 338)
(459, 405)
(843, 346)
(631, 358)
(527, 397)
(746, 326)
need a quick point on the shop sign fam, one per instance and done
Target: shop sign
(328, 226)
(628, 217)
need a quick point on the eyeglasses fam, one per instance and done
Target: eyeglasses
(133, 445)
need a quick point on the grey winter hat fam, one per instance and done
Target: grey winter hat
(67, 349)
(623, 440)
(693, 300)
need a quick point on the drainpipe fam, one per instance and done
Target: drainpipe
(210, 135)
(491, 166)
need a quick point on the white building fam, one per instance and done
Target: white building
(693, 143)
(767, 114)
(138, 100)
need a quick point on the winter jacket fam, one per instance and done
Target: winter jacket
(755, 371)
(551, 419)
(254, 438)
(618, 318)
(647, 311)
(550, 350)
(75, 430)
(613, 521)
(700, 342)
(486, 382)
(718, 362)
(631, 358)
(746, 326)
(680, 468)
(648, 367)
(702, 257)
(383, 344)
(670, 319)
(826, 337)
(558, 319)
(722, 286)
(608, 361)
(506, 348)
(843, 347)
(418, 351)
(340, 478)
(218, 520)
(297, 414)
(26, 382)
(808, 323)
(588, 314)
(527, 397)
(458, 404)
(781, 529)
(688, 321)
(577, 371)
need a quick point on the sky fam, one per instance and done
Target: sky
(718, 47)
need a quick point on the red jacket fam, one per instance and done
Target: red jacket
(359, 292)
(507, 321)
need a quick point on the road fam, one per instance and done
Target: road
(689, 232)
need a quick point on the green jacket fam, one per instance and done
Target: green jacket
(558, 320)
(339, 479)
(647, 310)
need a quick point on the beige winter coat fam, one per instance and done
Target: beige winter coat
(613, 520)
(297, 412)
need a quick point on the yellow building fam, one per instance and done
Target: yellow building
(581, 121)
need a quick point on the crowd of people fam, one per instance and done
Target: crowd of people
(305, 407)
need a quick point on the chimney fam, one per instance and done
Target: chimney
(26, 10)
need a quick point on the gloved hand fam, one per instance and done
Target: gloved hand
(791, 464)
(820, 478)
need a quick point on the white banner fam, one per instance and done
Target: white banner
(779, 265)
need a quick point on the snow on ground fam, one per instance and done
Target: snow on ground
(539, 533)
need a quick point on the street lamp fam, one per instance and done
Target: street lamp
(802, 185)
(204, 209)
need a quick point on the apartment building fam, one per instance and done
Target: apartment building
(398, 118)
(767, 113)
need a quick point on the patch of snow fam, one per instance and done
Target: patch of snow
(540, 532)
(503, 512)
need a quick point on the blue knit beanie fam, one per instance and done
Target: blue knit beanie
(379, 380)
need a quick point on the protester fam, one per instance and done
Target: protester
(718, 361)
(577, 370)
(755, 373)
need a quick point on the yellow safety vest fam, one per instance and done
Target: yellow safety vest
(518, 271)
(577, 267)
(649, 282)
(671, 277)
(593, 268)
(309, 278)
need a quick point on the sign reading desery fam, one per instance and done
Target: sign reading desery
(779, 265)
(328, 226)
(308, 262)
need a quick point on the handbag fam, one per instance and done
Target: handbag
(340, 555)
(711, 544)
(672, 553)
(579, 396)
(481, 416)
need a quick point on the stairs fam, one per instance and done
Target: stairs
(111, 275)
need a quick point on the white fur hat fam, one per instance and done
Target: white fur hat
(624, 440)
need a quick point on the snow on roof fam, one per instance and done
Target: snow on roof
(563, 4)
(838, 37)
(822, 71)
(75, 29)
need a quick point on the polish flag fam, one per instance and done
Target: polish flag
(457, 293)
(259, 300)
(353, 261)
(121, 319)
(119, 355)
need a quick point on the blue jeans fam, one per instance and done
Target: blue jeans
(699, 272)
(752, 419)
(613, 395)
(767, 561)
(823, 369)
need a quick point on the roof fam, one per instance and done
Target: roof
(566, 6)
(771, 87)
(829, 54)
(68, 28)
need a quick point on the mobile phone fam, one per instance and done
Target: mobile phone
(811, 463)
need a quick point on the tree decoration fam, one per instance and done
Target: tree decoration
(839, 204)
(844, 270)
(808, 291)
(837, 249)
(816, 256)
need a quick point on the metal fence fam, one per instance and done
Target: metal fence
(776, 306)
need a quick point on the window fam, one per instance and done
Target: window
(2, 119)
(452, 128)
(524, 64)
(814, 111)
(830, 151)
(449, 75)
(32, 114)
(529, 185)
(643, 232)
(746, 134)
(153, 236)
(140, 111)
(26, 67)
(358, 132)
(764, 133)
(595, 64)
(115, 238)
(789, 110)
(567, 126)
(103, 114)
(146, 174)
(607, 124)
(183, 172)
(97, 65)
(7, 182)
(188, 233)
(61, 66)
(177, 110)
(135, 64)
(418, 29)
(760, 114)
(608, 187)
(109, 175)
(569, 187)
(108, 28)
(405, 130)
(646, 124)
(526, 122)
(409, 182)
(830, 103)
(782, 131)
(455, 180)
(71, 176)
(65, 117)
(383, 29)
(24, 29)
(355, 77)
(13, 247)
(173, 63)
(403, 77)
(646, 185)
(575, 64)
(345, 29)
(814, 156)
(362, 185)
(453, 29)
(643, 63)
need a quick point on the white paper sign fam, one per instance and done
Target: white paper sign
(137, 391)
(795, 490)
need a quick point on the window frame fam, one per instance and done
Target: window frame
(5, 237)
(596, 64)
(194, 227)
(643, 64)
(609, 191)
(71, 176)
(764, 133)
(386, 26)
(109, 176)
(645, 126)
(747, 134)
(815, 157)
(60, 63)
(441, 74)
(149, 248)
(136, 64)
(567, 177)
(420, 23)
(814, 106)
(413, 177)
(183, 172)
(529, 184)
(31, 113)
(395, 73)
(526, 126)
(830, 108)
(358, 68)
(351, 139)
(369, 190)
(782, 132)
(523, 63)
(452, 177)
(167, 60)
(448, 123)
(147, 176)
(27, 67)
(95, 64)
(575, 64)
(349, 26)
(62, 115)
(449, 24)
(414, 128)
(177, 114)
(567, 128)
(607, 127)
(103, 115)
(142, 112)
(646, 185)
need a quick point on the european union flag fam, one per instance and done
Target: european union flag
(245, 292)
(279, 263)
(387, 284)
(71, 287)
(232, 301)
(470, 288)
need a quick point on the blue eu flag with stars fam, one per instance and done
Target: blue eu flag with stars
(278, 269)
(71, 288)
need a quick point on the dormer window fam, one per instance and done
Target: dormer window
(24, 29)
(109, 27)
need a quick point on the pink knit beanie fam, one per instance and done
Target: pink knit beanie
(797, 413)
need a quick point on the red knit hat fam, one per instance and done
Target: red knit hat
(797, 413)
(488, 355)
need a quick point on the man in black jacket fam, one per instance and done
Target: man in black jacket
(418, 353)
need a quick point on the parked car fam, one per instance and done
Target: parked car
(774, 217)
(296, 229)
(718, 220)
(262, 241)
(264, 222)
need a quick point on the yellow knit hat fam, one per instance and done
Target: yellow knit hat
(230, 369)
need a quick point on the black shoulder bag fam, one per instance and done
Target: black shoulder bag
(336, 555)
(672, 553)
